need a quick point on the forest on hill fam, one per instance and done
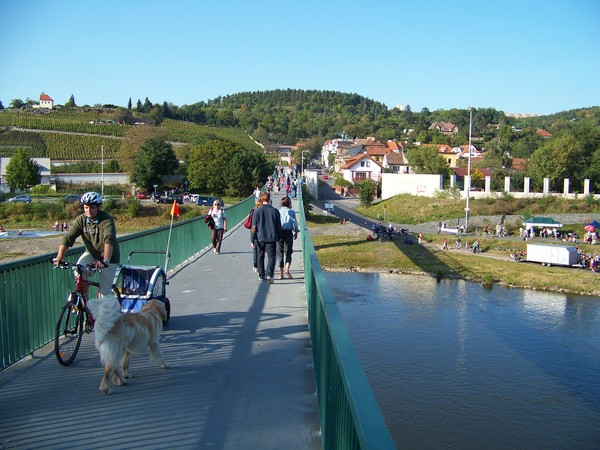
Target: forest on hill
(290, 116)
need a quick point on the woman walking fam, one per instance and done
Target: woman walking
(254, 240)
(285, 246)
(220, 226)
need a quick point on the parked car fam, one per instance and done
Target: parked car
(141, 195)
(155, 197)
(20, 198)
(170, 198)
(72, 198)
(204, 200)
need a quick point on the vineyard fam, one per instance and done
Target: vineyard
(11, 140)
(59, 121)
(62, 146)
(58, 146)
(69, 135)
(180, 131)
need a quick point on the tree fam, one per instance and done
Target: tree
(71, 102)
(16, 103)
(129, 104)
(138, 106)
(427, 160)
(207, 165)
(225, 167)
(1, 105)
(558, 158)
(22, 172)
(367, 192)
(154, 160)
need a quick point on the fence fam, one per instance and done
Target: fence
(31, 293)
(350, 416)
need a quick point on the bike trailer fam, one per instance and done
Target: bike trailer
(140, 284)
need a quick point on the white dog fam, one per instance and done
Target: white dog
(119, 335)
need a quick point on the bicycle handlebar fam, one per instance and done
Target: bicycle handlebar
(67, 265)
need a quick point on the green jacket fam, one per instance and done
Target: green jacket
(95, 234)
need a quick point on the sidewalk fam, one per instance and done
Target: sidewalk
(241, 372)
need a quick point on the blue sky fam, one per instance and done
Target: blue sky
(513, 55)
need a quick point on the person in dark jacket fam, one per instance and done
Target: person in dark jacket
(266, 223)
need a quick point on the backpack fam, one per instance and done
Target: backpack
(248, 221)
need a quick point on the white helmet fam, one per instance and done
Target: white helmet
(91, 198)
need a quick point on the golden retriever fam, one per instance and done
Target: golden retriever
(119, 335)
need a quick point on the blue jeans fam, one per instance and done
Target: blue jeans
(269, 249)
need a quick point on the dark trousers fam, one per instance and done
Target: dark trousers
(285, 248)
(269, 249)
(216, 236)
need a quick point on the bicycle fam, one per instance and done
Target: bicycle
(75, 318)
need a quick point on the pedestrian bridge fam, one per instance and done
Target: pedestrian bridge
(251, 365)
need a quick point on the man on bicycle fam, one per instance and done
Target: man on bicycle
(99, 235)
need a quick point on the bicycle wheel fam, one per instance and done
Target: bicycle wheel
(69, 331)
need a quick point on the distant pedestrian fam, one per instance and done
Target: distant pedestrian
(445, 247)
(220, 226)
(420, 237)
(266, 223)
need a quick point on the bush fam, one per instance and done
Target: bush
(132, 207)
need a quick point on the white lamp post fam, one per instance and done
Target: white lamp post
(468, 185)
(303, 151)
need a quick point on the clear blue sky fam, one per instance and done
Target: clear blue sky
(513, 55)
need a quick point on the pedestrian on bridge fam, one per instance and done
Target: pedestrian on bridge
(289, 227)
(266, 223)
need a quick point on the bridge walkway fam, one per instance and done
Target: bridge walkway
(240, 372)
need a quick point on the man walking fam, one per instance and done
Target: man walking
(266, 223)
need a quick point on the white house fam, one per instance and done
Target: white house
(360, 168)
(46, 102)
(43, 163)
(396, 162)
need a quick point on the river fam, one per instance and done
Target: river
(456, 365)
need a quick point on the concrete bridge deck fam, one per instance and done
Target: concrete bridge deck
(241, 373)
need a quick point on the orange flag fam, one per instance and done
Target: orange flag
(175, 209)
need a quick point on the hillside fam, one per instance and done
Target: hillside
(80, 134)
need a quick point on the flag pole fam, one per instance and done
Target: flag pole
(174, 211)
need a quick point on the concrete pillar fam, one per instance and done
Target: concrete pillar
(452, 181)
(527, 186)
(546, 185)
(566, 185)
(586, 186)
(506, 184)
(467, 185)
(488, 184)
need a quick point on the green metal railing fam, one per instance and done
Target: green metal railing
(350, 416)
(31, 293)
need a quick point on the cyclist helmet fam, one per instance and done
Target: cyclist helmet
(91, 198)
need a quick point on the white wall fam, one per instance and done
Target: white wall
(415, 184)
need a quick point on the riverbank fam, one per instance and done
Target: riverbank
(344, 247)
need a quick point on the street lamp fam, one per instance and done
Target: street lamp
(302, 167)
(468, 209)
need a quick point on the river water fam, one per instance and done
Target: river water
(455, 365)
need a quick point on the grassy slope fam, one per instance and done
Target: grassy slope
(339, 249)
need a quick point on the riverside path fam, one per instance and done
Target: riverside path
(240, 371)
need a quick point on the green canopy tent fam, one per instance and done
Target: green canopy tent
(542, 222)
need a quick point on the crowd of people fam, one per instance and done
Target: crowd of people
(272, 230)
